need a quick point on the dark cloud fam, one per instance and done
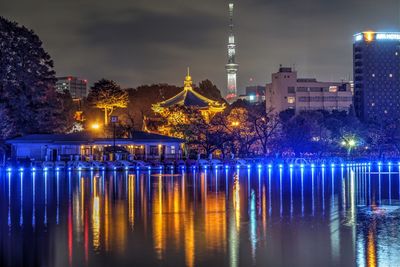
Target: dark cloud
(151, 41)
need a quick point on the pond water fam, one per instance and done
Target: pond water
(322, 216)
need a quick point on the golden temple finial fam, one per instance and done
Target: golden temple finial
(188, 81)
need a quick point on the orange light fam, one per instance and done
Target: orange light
(95, 126)
(369, 36)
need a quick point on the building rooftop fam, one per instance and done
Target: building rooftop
(370, 36)
(285, 69)
(86, 137)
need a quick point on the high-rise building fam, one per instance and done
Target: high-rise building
(286, 91)
(376, 70)
(77, 87)
(231, 67)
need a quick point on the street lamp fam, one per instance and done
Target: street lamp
(352, 143)
(95, 126)
(349, 143)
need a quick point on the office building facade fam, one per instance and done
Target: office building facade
(376, 70)
(287, 91)
(76, 86)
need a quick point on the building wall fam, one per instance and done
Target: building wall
(77, 87)
(376, 65)
(254, 94)
(51, 152)
(286, 91)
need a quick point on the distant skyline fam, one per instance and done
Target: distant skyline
(153, 41)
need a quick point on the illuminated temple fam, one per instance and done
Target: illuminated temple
(190, 98)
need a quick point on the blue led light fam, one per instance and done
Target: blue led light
(21, 169)
(301, 165)
(269, 166)
(237, 166)
(226, 166)
(45, 169)
(323, 165)
(390, 163)
(9, 169)
(79, 169)
(333, 165)
(57, 169)
(33, 169)
(379, 163)
(259, 166)
(342, 165)
(248, 166)
(126, 168)
(291, 165)
(280, 166)
(312, 165)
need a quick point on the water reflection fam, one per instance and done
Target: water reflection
(336, 215)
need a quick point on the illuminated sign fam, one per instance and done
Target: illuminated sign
(371, 36)
(388, 36)
(358, 37)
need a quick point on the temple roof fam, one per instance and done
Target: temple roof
(189, 98)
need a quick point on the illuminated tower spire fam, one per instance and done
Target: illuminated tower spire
(231, 67)
(187, 84)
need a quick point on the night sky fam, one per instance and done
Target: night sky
(152, 41)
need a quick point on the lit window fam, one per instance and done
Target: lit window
(172, 149)
(397, 53)
(373, 74)
(290, 100)
(332, 89)
(373, 104)
(390, 75)
(385, 111)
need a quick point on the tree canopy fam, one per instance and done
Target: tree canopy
(107, 95)
(28, 100)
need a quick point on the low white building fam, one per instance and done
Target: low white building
(53, 147)
(287, 91)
